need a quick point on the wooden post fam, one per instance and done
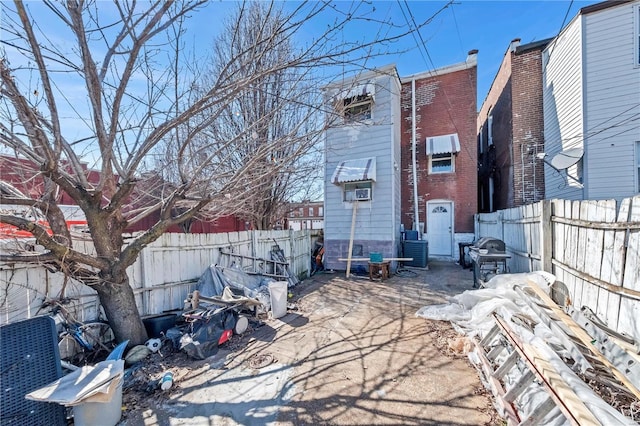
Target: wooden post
(546, 236)
(354, 206)
(292, 253)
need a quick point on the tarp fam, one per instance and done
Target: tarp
(471, 313)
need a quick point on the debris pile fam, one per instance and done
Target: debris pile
(219, 307)
(540, 364)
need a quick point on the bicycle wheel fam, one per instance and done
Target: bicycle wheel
(97, 335)
(68, 346)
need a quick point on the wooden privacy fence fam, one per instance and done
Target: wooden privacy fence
(592, 247)
(163, 275)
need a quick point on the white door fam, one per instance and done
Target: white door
(440, 228)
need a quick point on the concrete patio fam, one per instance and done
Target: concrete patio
(353, 353)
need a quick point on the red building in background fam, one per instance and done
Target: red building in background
(23, 175)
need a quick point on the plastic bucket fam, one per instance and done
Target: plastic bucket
(278, 293)
(100, 413)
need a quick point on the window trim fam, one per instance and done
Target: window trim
(490, 128)
(442, 156)
(637, 165)
(350, 188)
(355, 103)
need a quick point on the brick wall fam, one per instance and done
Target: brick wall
(528, 127)
(515, 103)
(445, 104)
(496, 160)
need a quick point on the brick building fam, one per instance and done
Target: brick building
(443, 102)
(304, 215)
(510, 129)
(23, 175)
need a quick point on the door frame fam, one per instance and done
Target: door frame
(451, 215)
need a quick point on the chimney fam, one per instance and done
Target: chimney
(514, 43)
(472, 57)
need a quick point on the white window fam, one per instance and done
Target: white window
(356, 191)
(310, 211)
(638, 166)
(320, 211)
(481, 140)
(442, 163)
(300, 212)
(490, 129)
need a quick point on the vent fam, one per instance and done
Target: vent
(363, 194)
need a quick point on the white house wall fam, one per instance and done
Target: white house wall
(562, 103)
(612, 96)
(375, 218)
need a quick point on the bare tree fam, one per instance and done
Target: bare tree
(279, 108)
(113, 85)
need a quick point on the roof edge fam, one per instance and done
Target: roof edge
(533, 45)
(470, 62)
(603, 5)
(389, 70)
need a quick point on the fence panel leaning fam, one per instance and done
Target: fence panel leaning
(592, 247)
(162, 277)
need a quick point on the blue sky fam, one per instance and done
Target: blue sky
(488, 26)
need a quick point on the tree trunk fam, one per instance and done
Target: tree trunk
(119, 305)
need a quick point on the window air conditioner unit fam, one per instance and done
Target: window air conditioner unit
(363, 194)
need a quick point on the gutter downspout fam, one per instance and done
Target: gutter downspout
(413, 157)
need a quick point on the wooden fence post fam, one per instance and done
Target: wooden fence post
(546, 236)
(476, 226)
(254, 243)
(292, 254)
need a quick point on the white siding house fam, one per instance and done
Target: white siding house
(362, 156)
(592, 104)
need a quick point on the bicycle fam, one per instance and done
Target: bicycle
(81, 343)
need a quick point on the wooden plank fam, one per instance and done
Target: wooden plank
(629, 317)
(618, 258)
(573, 236)
(571, 248)
(632, 263)
(619, 248)
(556, 234)
(582, 336)
(354, 206)
(565, 398)
(593, 256)
(581, 296)
(622, 291)
(608, 212)
(629, 314)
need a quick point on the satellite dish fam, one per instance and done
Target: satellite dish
(567, 158)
